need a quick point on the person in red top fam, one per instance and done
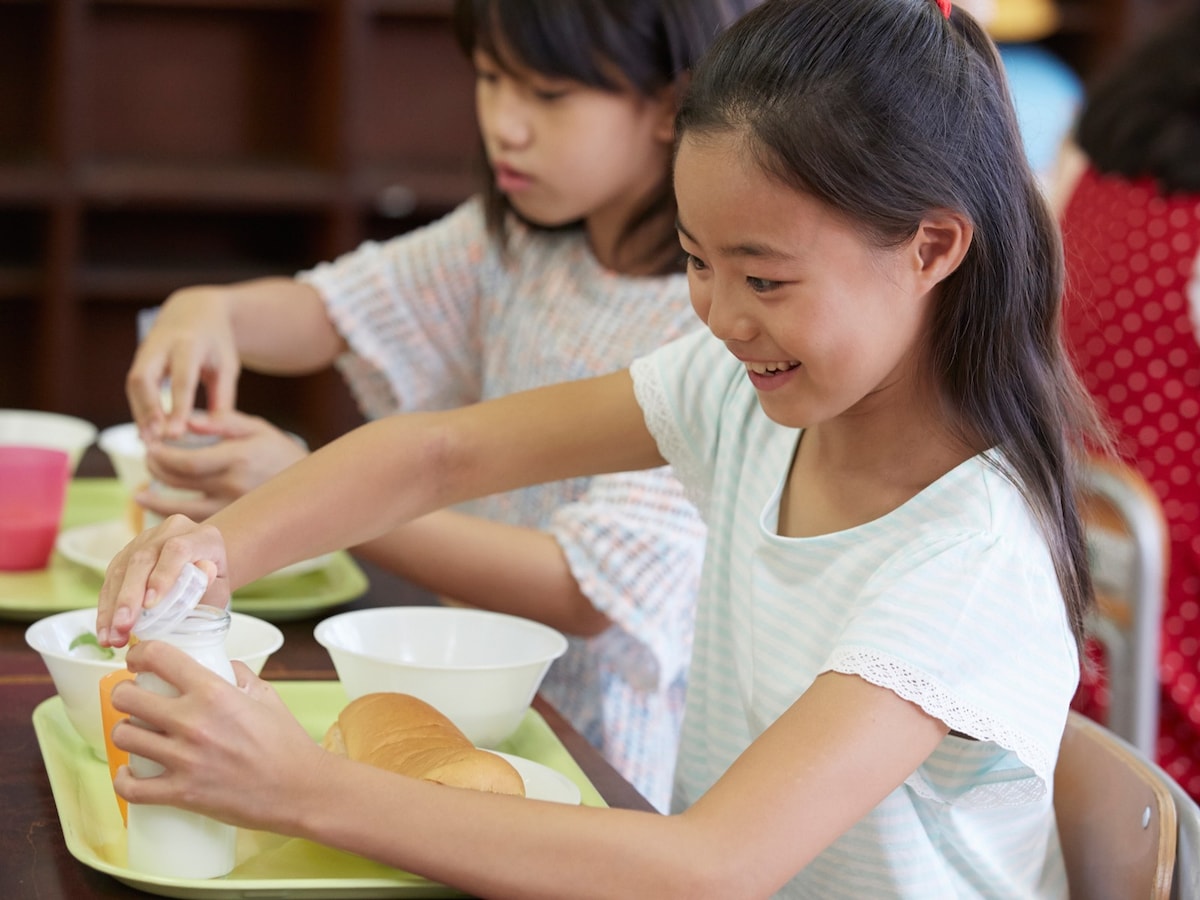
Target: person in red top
(1131, 236)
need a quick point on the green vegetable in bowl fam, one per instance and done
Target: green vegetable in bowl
(90, 641)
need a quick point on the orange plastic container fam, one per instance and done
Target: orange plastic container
(110, 717)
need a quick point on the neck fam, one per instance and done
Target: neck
(865, 464)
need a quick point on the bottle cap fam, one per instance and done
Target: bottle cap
(183, 597)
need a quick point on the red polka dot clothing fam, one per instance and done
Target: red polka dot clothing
(1132, 317)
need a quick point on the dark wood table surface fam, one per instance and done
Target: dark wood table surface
(34, 861)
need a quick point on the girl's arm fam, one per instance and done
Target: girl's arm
(203, 335)
(237, 754)
(379, 476)
(492, 565)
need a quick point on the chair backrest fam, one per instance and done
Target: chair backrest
(1185, 885)
(1116, 817)
(1127, 544)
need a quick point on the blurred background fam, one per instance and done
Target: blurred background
(146, 145)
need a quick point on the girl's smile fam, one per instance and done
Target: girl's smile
(770, 376)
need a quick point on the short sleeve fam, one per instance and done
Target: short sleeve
(682, 388)
(636, 546)
(972, 628)
(408, 308)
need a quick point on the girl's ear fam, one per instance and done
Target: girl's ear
(941, 242)
(667, 100)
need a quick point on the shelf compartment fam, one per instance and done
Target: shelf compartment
(198, 84)
(22, 240)
(25, 99)
(141, 257)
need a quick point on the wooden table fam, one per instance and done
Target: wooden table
(34, 861)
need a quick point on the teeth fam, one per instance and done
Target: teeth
(771, 368)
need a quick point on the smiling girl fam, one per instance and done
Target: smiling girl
(876, 426)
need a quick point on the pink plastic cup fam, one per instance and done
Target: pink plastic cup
(33, 489)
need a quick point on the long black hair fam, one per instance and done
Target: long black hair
(887, 112)
(650, 44)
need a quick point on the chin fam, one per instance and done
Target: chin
(540, 219)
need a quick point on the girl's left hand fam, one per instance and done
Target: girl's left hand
(235, 753)
(146, 568)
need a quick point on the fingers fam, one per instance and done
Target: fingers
(173, 666)
(252, 450)
(143, 386)
(146, 569)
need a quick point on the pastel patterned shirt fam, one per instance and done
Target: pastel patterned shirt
(441, 317)
(950, 601)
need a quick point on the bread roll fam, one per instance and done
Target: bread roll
(403, 734)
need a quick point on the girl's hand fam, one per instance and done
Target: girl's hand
(235, 753)
(191, 342)
(251, 450)
(148, 566)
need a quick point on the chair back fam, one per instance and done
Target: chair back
(1185, 884)
(1116, 817)
(1127, 544)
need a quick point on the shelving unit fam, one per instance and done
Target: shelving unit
(146, 145)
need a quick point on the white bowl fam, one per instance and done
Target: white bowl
(481, 669)
(77, 675)
(34, 428)
(124, 448)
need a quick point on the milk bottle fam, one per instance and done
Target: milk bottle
(165, 841)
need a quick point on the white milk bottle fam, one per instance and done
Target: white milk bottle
(165, 841)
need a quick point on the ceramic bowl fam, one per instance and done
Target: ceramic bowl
(481, 669)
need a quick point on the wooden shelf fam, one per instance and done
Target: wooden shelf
(147, 145)
(207, 186)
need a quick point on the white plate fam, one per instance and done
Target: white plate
(93, 546)
(543, 782)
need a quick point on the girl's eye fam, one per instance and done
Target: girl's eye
(487, 76)
(695, 262)
(548, 93)
(761, 285)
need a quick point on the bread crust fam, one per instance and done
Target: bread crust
(406, 735)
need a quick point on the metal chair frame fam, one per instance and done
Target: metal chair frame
(1127, 543)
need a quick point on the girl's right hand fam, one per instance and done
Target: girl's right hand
(191, 342)
(147, 568)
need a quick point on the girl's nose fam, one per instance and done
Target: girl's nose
(726, 317)
(505, 115)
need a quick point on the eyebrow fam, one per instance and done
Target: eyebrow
(749, 249)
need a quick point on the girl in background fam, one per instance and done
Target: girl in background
(876, 426)
(1131, 232)
(566, 267)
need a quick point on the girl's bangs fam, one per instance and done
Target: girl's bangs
(550, 37)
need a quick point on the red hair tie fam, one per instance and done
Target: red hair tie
(944, 6)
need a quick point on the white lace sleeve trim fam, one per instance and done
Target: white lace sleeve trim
(905, 681)
(658, 411)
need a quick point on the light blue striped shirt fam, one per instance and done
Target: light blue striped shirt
(950, 600)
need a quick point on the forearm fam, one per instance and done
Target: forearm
(492, 565)
(396, 469)
(346, 493)
(281, 326)
(494, 846)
